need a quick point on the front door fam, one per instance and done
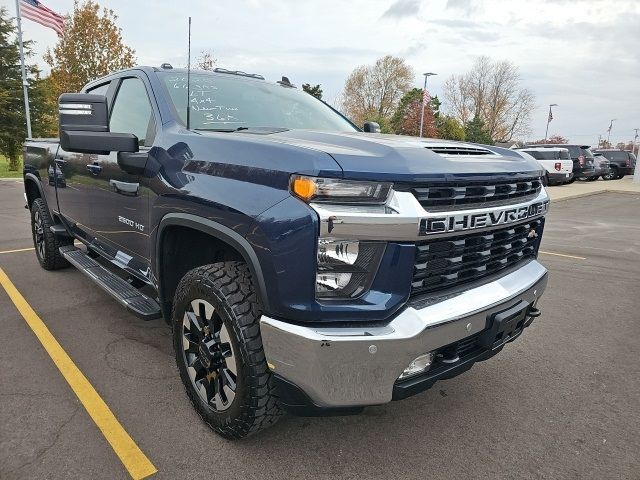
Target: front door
(119, 200)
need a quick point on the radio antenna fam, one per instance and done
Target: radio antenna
(189, 77)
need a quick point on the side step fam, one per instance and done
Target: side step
(131, 298)
(59, 230)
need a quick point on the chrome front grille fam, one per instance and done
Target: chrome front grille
(446, 263)
(468, 195)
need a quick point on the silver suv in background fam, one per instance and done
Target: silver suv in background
(603, 167)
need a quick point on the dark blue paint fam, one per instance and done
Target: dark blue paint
(240, 181)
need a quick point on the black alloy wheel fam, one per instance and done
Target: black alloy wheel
(209, 355)
(38, 234)
(612, 175)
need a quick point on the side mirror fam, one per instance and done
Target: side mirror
(371, 127)
(84, 126)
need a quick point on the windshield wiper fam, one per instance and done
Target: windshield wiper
(228, 130)
(256, 130)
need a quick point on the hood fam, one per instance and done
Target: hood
(369, 156)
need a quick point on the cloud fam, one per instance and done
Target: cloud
(467, 6)
(402, 9)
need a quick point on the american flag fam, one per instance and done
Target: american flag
(550, 115)
(37, 12)
(426, 98)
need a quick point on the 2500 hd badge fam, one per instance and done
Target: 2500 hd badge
(471, 221)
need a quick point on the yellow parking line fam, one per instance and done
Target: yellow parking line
(134, 460)
(562, 255)
(18, 250)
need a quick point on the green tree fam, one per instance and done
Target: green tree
(476, 132)
(91, 47)
(435, 106)
(13, 124)
(313, 90)
(449, 128)
(406, 118)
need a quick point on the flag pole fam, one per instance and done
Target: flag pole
(24, 71)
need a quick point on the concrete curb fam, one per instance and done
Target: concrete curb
(588, 194)
(15, 179)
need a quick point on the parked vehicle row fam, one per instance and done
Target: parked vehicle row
(567, 163)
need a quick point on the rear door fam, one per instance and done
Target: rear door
(120, 201)
(74, 180)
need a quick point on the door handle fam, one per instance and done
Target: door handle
(94, 169)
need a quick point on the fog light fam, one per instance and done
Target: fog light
(337, 252)
(331, 281)
(418, 365)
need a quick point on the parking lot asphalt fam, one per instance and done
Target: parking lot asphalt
(562, 401)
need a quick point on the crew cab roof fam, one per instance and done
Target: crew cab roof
(150, 70)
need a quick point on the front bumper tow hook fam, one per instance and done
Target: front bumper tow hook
(533, 312)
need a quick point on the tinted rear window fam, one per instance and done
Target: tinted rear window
(575, 151)
(541, 155)
(618, 155)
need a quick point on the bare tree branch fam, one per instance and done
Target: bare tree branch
(493, 92)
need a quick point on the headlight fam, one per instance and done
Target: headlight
(346, 267)
(314, 189)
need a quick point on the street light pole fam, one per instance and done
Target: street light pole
(424, 91)
(636, 174)
(549, 117)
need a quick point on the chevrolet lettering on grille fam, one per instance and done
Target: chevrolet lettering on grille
(472, 221)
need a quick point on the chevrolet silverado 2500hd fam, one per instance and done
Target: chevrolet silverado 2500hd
(303, 264)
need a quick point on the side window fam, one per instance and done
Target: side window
(100, 89)
(132, 112)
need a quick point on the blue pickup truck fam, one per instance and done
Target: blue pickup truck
(305, 265)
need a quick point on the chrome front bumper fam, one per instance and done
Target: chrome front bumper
(358, 366)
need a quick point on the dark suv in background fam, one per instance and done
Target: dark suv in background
(583, 164)
(622, 162)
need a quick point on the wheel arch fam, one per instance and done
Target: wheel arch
(212, 229)
(33, 189)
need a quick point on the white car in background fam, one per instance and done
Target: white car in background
(556, 162)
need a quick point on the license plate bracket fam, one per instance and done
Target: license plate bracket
(505, 326)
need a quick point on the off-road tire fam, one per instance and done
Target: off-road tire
(229, 288)
(45, 242)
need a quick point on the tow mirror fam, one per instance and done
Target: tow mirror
(371, 127)
(84, 126)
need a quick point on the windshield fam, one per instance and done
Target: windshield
(218, 102)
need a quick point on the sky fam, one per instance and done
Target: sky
(583, 55)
